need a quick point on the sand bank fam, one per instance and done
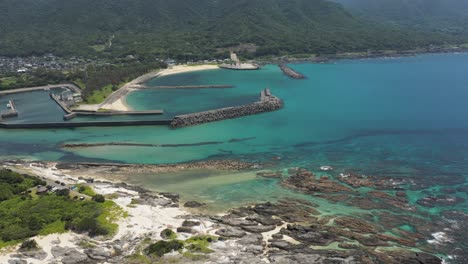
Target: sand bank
(187, 68)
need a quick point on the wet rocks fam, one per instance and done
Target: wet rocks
(356, 225)
(68, 255)
(17, 261)
(440, 200)
(258, 228)
(311, 235)
(98, 253)
(307, 182)
(265, 220)
(189, 223)
(270, 174)
(230, 232)
(193, 204)
(174, 197)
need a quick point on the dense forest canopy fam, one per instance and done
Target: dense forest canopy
(196, 29)
(449, 16)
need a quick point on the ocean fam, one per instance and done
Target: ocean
(400, 118)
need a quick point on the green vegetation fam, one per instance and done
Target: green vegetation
(199, 244)
(168, 234)
(162, 247)
(444, 16)
(86, 190)
(182, 30)
(22, 216)
(13, 184)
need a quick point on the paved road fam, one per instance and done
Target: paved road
(73, 87)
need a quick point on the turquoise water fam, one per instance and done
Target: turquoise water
(404, 117)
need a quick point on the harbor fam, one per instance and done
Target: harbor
(76, 114)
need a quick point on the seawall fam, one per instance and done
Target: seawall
(290, 72)
(267, 103)
(85, 124)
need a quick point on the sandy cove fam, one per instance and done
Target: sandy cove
(116, 101)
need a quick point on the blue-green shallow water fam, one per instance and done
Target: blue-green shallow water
(404, 117)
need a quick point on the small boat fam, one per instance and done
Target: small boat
(8, 106)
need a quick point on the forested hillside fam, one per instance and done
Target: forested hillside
(194, 29)
(448, 16)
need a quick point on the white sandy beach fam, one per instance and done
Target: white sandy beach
(116, 101)
(187, 68)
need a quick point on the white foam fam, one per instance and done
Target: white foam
(439, 238)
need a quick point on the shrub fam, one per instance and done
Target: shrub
(163, 247)
(99, 198)
(29, 245)
(168, 234)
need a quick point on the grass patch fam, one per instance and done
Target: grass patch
(111, 213)
(200, 244)
(57, 227)
(7, 81)
(86, 190)
(98, 96)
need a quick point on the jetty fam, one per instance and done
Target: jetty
(267, 103)
(48, 125)
(190, 87)
(290, 72)
(72, 87)
(11, 112)
(237, 65)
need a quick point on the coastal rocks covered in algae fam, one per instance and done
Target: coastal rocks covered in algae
(309, 238)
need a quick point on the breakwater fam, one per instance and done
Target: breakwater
(74, 114)
(61, 104)
(290, 72)
(84, 124)
(72, 87)
(11, 112)
(189, 87)
(267, 103)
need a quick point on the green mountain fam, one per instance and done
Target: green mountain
(194, 29)
(447, 16)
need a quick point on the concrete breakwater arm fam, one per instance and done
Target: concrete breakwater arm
(72, 87)
(60, 103)
(290, 72)
(267, 103)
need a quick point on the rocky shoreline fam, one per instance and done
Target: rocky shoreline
(286, 231)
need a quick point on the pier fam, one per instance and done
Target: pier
(191, 87)
(72, 87)
(85, 124)
(11, 112)
(290, 72)
(267, 103)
